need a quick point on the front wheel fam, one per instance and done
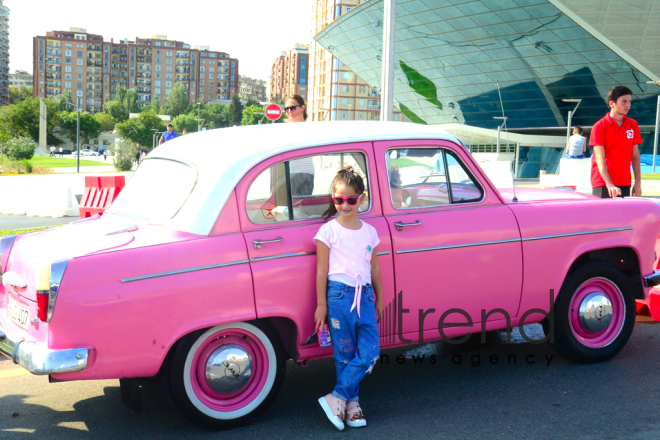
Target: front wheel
(594, 314)
(227, 375)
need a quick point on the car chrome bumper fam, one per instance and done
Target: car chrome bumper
(652, 280)
(40, 360)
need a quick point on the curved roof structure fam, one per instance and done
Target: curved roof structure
(451, 56)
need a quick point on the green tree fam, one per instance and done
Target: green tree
(124, 155)
(139, 129)
(90, 128)
(18, 94)
(177, 102)
(252, 102)
(20, 148)
(124, 103)
(186, 121)
(22, 119)
(106, 121)
(65, 101)
(253, 114)
(154, 106)
(215, 115)
(235, 111)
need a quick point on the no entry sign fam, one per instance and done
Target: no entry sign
(273, 112)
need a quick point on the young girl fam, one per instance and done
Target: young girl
(347, 275)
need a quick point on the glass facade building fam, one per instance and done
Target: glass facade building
(454, 59)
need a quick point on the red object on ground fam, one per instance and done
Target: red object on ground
(650, 306)
(273, 112)
(99, 194)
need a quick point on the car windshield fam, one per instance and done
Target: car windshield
(157, 190)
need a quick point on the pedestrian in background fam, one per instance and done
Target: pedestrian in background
(577, 144)
(105, 155)
(52, 150)
(302, 170)
(168, 135)
(138, 155)
(615, 139)
(185, 132)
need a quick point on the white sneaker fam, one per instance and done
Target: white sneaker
(354, 417)
(334, 409)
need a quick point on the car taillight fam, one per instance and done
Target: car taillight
(43, 291)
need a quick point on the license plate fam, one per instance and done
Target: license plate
(18, 313)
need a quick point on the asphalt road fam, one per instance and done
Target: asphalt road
(541, 396)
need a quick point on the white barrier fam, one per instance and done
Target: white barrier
(572, 172)
(499, 173)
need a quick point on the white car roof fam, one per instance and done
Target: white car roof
(223, 156)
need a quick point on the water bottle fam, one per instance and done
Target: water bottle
(324, 335)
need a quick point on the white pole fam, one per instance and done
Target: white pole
(387, 77)
(655, 140)
(568, 129)
(499, 130)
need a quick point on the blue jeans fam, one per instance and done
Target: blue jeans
(354, 339)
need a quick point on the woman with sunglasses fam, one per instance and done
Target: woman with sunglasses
(302, 170)
(347, 276)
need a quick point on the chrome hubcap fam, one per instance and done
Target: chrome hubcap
(228, 369)
(595, 312)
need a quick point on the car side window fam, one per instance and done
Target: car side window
(307, 195)
(428, 176)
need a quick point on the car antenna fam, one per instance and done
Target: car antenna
(506, 130)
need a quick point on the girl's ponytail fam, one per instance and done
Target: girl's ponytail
(348, 177)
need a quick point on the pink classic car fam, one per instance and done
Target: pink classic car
(203, 270)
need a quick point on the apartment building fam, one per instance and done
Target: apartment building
(92, 68)
(289, 73)
(20, 78)
(254, 89)
(335, 92)
(4, 54)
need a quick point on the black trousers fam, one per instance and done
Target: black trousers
(601, 191)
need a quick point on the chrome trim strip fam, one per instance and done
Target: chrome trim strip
(176, 272)
(94, 217)
(128, 229)
(57, 270)
(382, 253)
(455, 246)
(274, 257)
(573, 234)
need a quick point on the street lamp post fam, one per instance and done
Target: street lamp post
(570, 117)
(657, 126)
(78, 110)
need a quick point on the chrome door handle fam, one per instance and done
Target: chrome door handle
(258, 243)
(399, 226)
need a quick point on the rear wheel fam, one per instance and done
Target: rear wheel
(227, 375)
(594, 314)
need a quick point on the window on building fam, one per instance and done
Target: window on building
(168, 76)
(362, 89)
(67, 85)
(395, 116)
(169, 61)
(157, 68)
(167, 91)
(79, 69)
(360, 115)
(344, 101)
(157, 91)
(157, 75)
(346, 75)
(168, 84)
(169, 54)
(344, 88)
(361, 102)
(79, 93)
(80, 62)
(68, 53)
(343, 115)
(67, 76)
(168, 68)
(67, 68)
(67, 60)
(233, 64)
(157, 60)
(201, 82)
(157, 83)
(79, 54)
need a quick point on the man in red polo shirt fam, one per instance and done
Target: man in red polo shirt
(615, 140)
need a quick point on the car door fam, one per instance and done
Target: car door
(281, 202)
(456, 244)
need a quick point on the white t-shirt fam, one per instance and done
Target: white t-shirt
(350, 251)
(576, 145)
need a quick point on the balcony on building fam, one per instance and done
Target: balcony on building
(93, 79)
(93, 47)
(91, 63)
(143, 90)
(54, 52)
(182, 70)
(52, 44)
(144, 67)
(54, 60)
(53, 76)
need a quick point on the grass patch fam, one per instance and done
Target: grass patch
(63, 162)
(649, 177)
(21, 231)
